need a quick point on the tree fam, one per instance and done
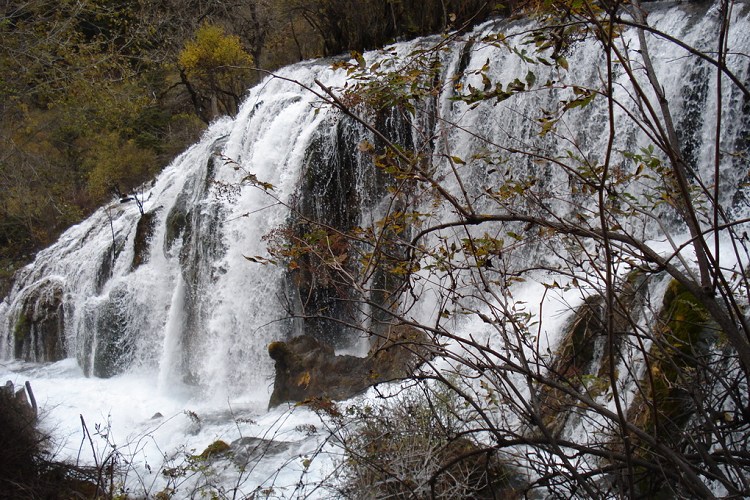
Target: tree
(216, 70)
(78, 76)
(652, 368)
(374, 23)
(76, 72)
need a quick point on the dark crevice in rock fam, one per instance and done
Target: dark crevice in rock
(197, 223)
(106, 267)
(339, 184)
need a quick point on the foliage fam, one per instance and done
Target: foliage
(79, 89)
(418, 444)
(121, 173)
(646, 393)
(215, 69)
(211, 51)
(93, 100)
(667, 401)
(374, 23)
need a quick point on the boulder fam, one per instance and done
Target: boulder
(115, 334)
(308, 368)
(251, 449)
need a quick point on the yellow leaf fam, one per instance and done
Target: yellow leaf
(304, 380)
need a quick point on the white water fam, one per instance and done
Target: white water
(211, 362)
(198, 315)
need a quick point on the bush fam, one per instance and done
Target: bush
(22, 447)
(27, 468)
(417, 445)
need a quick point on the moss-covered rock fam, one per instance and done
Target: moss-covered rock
(215, 449)
(683, 335)
(583, 357)
(685, 317)
(22, 328)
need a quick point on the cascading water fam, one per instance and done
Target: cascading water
(171, 291)
(178, 297)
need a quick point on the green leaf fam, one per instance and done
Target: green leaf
(584, 99)
(516, 86)
(530, 79)
(547, 125)
(359, 58)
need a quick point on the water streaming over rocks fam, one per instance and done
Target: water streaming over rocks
(169, 295)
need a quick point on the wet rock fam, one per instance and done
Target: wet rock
(583, 357)
(105, 268)
(216, 449)
(308, 368)
(338, 184)
(115, 335)
(39, 330)
(142, 242)
(177, 223)
(666, 404)
(248, 449)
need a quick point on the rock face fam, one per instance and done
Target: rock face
(338, 186)
(583, 357)
(141, 244)
(308, 368)
(39, 329)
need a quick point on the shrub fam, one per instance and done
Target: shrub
(417, 445)
(22, 447)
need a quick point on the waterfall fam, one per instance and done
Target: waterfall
(183, 293)
(183, 301)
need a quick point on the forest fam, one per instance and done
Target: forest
(97, 96)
